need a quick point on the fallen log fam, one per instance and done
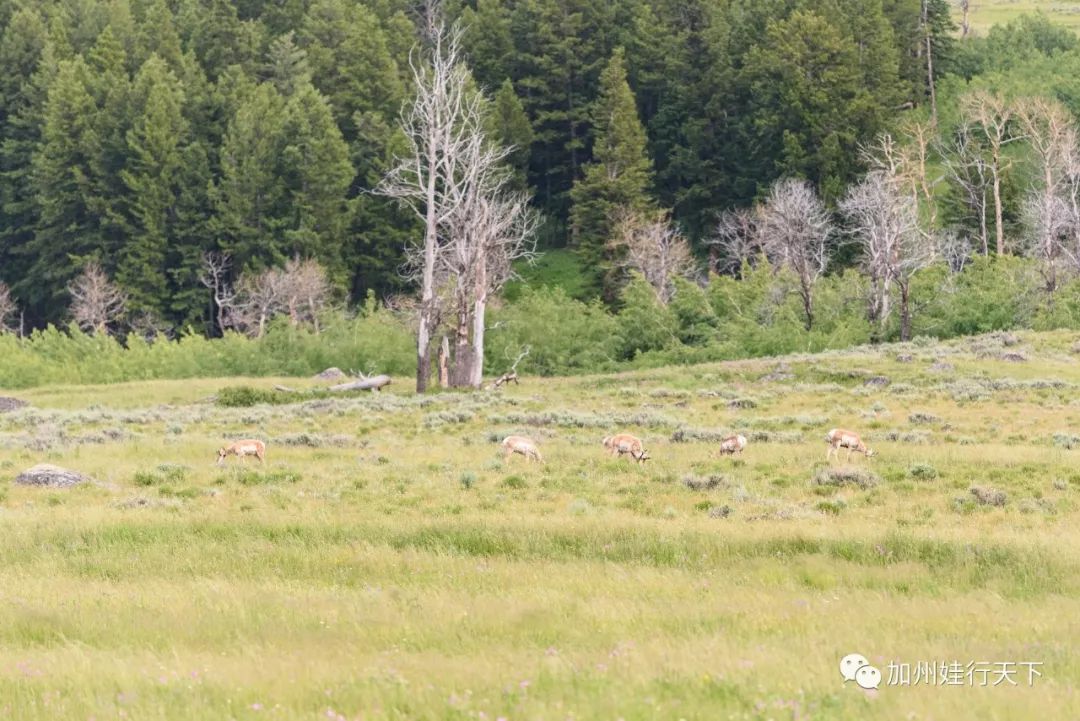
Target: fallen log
(372, 383)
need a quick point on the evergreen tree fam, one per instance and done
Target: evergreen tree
(315, 159)
(68, 227)
(157, 35)
(154, 160)
(621, 174)
(286, 65)
(809, 108)
(513, 130)
(111, 88)
(351, 62)
(489, 42)
(28, 65)
(250, 198)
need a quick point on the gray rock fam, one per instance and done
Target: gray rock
(50, 476)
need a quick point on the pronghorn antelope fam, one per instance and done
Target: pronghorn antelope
(241, 449)
(520, 444)
(732, 445)
(626, 443)
(839, 438)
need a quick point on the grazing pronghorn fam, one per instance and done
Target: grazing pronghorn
(520, 444)
(839, 438)
(626, 443)
(732, 445)
(242, 449)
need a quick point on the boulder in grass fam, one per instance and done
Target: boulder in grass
(49, 476)
(10, 404)
(330, 374)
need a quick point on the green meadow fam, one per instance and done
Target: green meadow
(986, 13)
(387, 563)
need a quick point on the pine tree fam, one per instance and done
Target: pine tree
(67, 229)
(286, 65)
(513, 130)
(488, 41)
(27, 60)
(154, 159)
(621, 174)
(250, 197)
(157, 35)
(809, 108)
(111, 88)
(316, 161)
(351, 62)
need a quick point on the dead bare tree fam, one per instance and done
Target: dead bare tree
(885, 221)
(1048, 209)
(795, 233)
(908, 161)
(736, 240)
(487, 228)
(7, 308)
(965, 22)
(969, 168)
(216, 268)
(300, 290)
(992, 114)
(95, 301)
(954, 249)
(652, 245)
(306, 291)
(259, 297)
(440, 122)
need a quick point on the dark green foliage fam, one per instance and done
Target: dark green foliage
(245, 397)
(620, 176)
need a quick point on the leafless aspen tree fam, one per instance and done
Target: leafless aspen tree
(654, 247)
(885, 221)
(95, 301)
(454, 179)
(1048, 209)
(489, 228)
(300, 290)
(992, 114)
(907, 162)
(438, 125)
(954, 249)
(7, 308)
(965, 22)
(215, 276)
(736, 240)
(795, 232)
(305, 291)
(969, 168)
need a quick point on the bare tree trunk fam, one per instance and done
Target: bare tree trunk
(444, 360)
(476, 376)
(965, 24)
(984, 233)
(930, 64)
(460, 373)
(807, 293)
(999, 231)
(905, 312)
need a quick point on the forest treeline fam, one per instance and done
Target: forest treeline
(848, 171)
(145, 133)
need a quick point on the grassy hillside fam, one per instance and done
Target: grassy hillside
(985, 13)
(386, 563)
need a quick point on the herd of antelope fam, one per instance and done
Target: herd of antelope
(619, 445)
(626, 444)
